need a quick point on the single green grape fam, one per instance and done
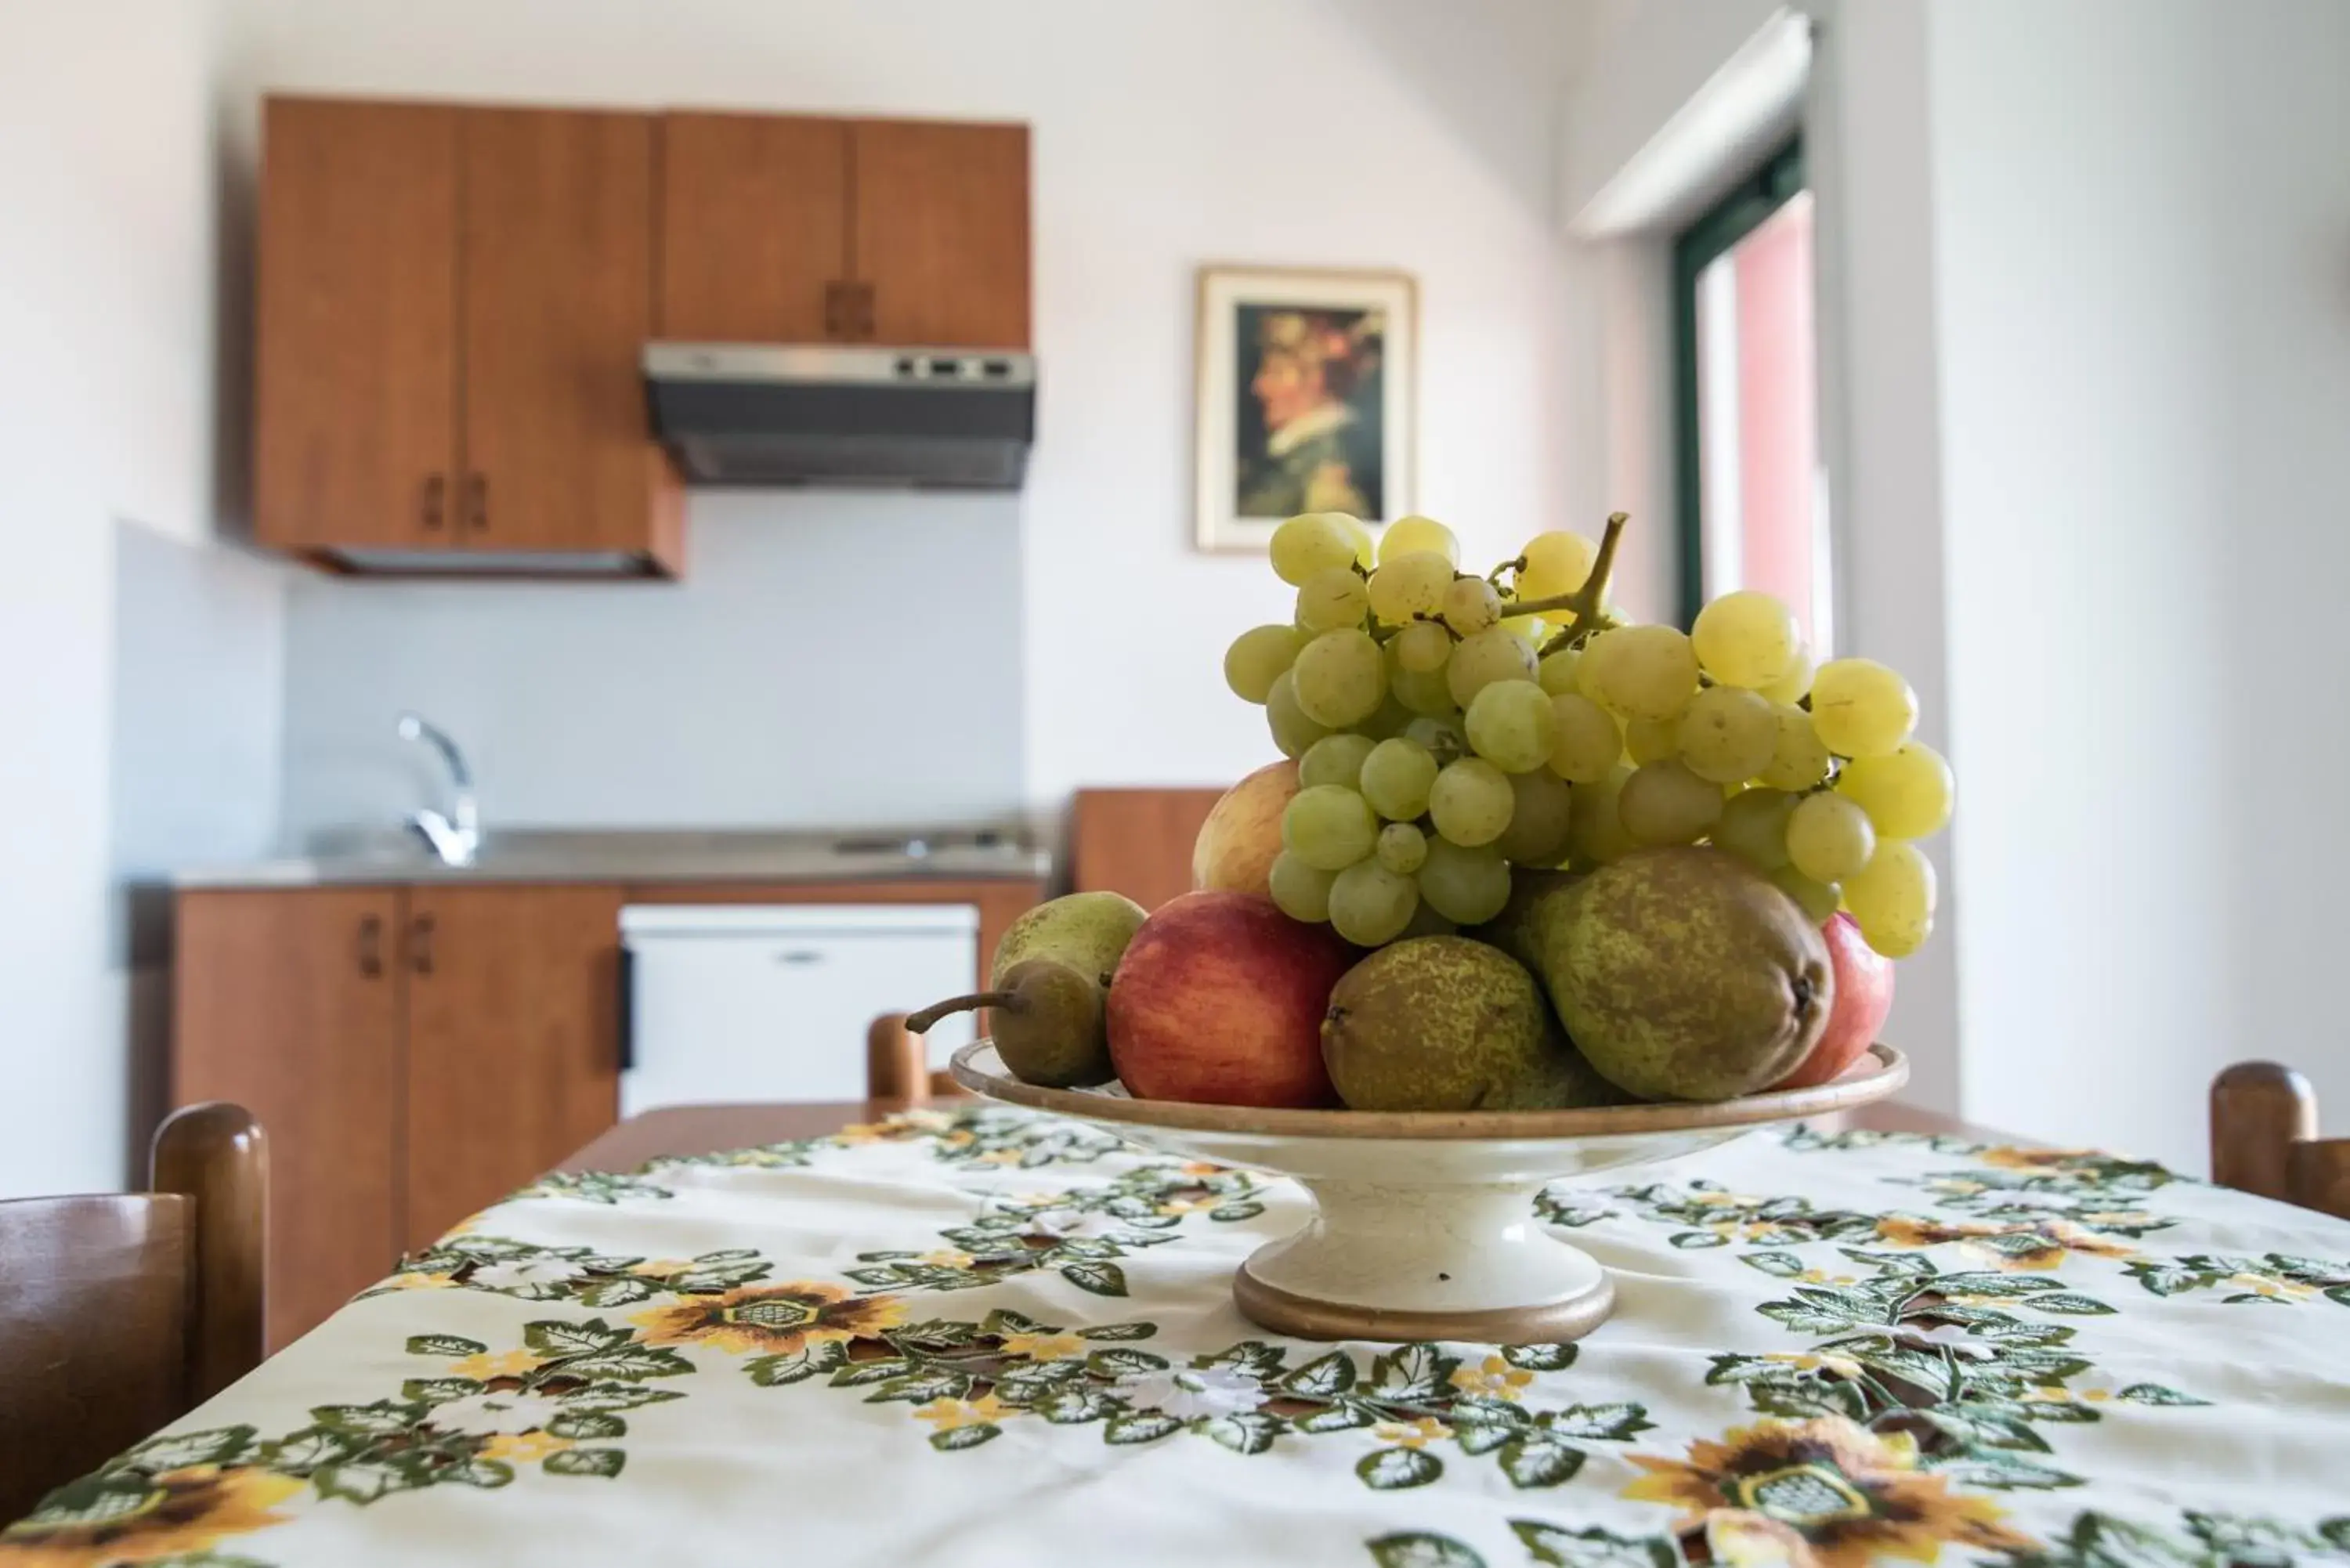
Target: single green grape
(1907, 792)
(1389, 721)
(1470, 605)
(1540, 816)
(1529, 629)
(1753, 827)
(1798, 760)
(1408, 585)
(1422, 647)
(1556, 674)
(1366, 548)
(1861, 709)
(1796, 684)
(1293, 730)
(1333, 600)
(1664, 803)
(1649, 671)
(1370, 904)
(1649, 741)
(1464, 884)
(1495, 654)
(1589, 666)
(1746, 638)
(1440, 733)
(1510, 725)
(1585, 745)
(1302, 891)
(1328, 827)
(1556, 563)
(1829, 837)
(1401, 848)
(1727, 734)
(1395, 778)
(1817, 900)
(1594, 827)
(1406, 535)
(1423, 691)
(1258, 658)
(1309, 543)
(1335, 760)
(1893, 898)
(1470, 802)
(1341, 679)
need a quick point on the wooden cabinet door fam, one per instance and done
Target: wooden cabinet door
(753, 226)
(941, 232)
(355, 322)
(512, 1040)
(287, 1002)
(557, 288)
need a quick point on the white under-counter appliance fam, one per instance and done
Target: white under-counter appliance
(772, 1001)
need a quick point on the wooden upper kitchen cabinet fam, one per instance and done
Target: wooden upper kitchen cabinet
(355, 381)
(754, 226)
(941, 232)
(558, 305)
(787, 229)
(288, 1004)
(451, 305)
(512, 1040)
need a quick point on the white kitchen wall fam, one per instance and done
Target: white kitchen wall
(1166, 133)
(2142, 253)
(106, 423)
(796, 678)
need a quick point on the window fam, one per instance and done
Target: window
(1752, 495)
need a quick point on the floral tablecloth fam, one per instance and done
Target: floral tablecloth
(990, 1338)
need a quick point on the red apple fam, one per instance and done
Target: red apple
(1864, 995)
(1243, 834)
(1219, 999)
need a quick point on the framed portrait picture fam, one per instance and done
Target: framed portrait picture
(1306, 382)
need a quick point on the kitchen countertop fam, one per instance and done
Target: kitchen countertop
(527, 855)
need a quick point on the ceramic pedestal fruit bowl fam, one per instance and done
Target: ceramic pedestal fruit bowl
(1534, 893)
(1424, 1224)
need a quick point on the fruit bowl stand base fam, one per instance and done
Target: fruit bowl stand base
(1398, 1263)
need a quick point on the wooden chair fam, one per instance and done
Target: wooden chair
(898, 1064)
(2265, 1139)
(119, 1313)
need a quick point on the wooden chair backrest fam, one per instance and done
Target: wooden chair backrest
(119, 1314)
(898, 1064)
(2265, 1139)
(1137, 842)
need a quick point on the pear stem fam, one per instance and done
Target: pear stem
(923, 1022)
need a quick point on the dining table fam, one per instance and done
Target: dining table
(963, 1334)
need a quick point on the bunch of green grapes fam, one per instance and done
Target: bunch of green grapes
(1447, 727)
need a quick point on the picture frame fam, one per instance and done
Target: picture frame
(1306, 399)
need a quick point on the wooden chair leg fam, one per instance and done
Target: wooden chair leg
(2260, 1111)
(897, 1064)
(215, 1153)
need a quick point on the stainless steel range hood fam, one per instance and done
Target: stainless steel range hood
(759, 414)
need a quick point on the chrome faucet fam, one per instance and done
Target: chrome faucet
(456, 838)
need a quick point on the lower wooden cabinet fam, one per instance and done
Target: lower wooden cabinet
(412, 1053)
(513, 1041)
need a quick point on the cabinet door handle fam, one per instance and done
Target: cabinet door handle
(837, 316)
(477, 502)
(419, 944)
(436, 502)
(369, 946)
(865, 312)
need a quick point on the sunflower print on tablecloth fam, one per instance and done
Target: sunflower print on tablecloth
(127, 1517)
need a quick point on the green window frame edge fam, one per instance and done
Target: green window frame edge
(1730, 220)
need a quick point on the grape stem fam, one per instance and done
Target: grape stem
(1586, 602)
(923, 1022)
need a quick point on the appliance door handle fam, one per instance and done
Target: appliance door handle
(800, 956)
(628, 990)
